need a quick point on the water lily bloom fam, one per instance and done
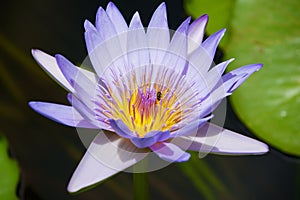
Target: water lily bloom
(151, 92)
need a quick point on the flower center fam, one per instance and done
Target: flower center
(152, 109)
(147, 101)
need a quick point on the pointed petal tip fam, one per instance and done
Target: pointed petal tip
(100, 16)
(96, 165)
(183, 28)
(222, 31)
(136, 16)
(259, 66)
(219, 34)
(203, 19)
(37, 54)
(88, 26)
(136, 22)
(32, 104)
(49, 64)
(163, 7)
(188, 19)
(33, 51)
(205, 16)
(71, 188)
(163, 4)
(37, 106)
(264, 148)
(58, 56)
(184, 158)
(110, 4)
(100, 9)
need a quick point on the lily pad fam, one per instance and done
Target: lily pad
(269, 102)
(9, 173)
(267, 32)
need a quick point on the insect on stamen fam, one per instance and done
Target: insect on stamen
(158, 96)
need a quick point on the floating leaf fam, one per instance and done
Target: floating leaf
(267, 32)
(269, 102)
(9, 173)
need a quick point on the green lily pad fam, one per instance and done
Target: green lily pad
(9, 173)
(267, 32)
(269, 102)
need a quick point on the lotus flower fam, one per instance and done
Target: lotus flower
(151, 92)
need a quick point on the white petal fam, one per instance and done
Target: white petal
(170, 152)
(196, 33)
(107, 155)
(158, 34)
(50, 66)
(116, 18)
(104, 25)
(66, 115)
(105, 46)
(212, 42)
(176, 55)
(218, 94)
(75, 74)
(214, 139)
(89, 113)
(137, 46)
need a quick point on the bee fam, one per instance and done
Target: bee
(158, 96)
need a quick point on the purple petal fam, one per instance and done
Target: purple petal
(92, 40)
(176, 54)
(211, 101)
(215, 139)
(219, 69)
(150, 138)
(247, 70)
(77, 76)
(106, 54)
(212, 42)
(88, 26)
(191, 129)
(88, 113)
(137, 45)
(200, 59)
(141, 142)
(50, 66)
(66, 115)
(104, 25)
(121, 129)
(170, 152)
(116, 17)
(107, 155)
(196, 32)
(85, 86)
(159, 17)
(109, 47)
(67, 68)
(136, 22)
(214, 76)
(158, 34)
